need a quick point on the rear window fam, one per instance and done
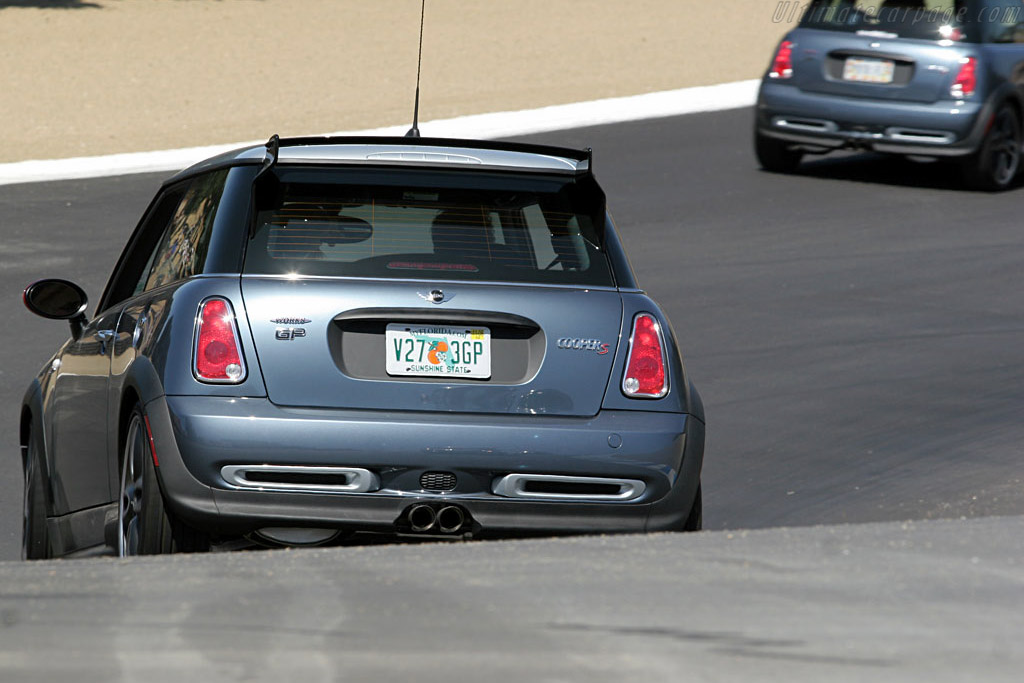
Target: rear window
(925, 19)
(426, 224)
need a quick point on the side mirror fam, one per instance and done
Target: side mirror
(58, 300)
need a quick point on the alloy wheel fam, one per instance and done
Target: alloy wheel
(130, 505)
(1005, 147)
(28, 503)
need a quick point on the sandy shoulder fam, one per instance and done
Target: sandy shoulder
(130, 75)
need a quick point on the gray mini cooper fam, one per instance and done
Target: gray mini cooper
(323, 336)
(928, 78)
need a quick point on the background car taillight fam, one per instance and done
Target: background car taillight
(782, 65)
(646, 375)
(218, 355)
(966, 80)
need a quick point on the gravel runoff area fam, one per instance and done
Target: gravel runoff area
(92, 77)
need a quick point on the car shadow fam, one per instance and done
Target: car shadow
(881, 169)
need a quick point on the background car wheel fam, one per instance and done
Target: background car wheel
(35, 539)
(145, 526)
(775, 155)
(994, 166)
(695, 520)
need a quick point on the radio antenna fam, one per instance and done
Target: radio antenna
(414, 132)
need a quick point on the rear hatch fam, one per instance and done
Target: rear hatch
(325, 344)
(431, 290)
(881, 51)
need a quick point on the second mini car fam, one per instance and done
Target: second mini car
(935, 78)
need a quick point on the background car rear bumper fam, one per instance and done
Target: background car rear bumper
(196, 436)
(944, 128)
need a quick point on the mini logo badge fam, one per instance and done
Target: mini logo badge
(435, 296)
(575, 344)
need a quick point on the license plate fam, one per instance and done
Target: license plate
(868, 70)
(438, 351)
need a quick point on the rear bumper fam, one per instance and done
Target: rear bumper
(945, 128)
(196, 437)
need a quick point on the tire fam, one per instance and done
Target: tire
(695, 520)
(145, 527)
(994, 166)
(774, 155)
(35, 538)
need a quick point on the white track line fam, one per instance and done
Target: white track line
(480, 126)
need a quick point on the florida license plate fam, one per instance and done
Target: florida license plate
(438, 351)
(868, 70)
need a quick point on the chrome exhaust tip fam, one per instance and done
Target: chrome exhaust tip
(450, 519)
(422, 518)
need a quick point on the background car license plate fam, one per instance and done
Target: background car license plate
(868, 70)
(438, 351)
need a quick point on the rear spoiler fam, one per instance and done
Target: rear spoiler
(577, 162)
(584, 158)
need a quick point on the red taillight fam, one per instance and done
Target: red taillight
(218, 356)
(782, 66)
(966, 80)
(951, 33)
(646, 375)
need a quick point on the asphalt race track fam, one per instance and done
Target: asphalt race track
(857, 334)
(934, 602)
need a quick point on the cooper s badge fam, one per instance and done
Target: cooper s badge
(576, 344)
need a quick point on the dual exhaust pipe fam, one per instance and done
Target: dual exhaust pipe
(450, 519)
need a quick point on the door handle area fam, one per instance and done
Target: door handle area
(104, 337)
